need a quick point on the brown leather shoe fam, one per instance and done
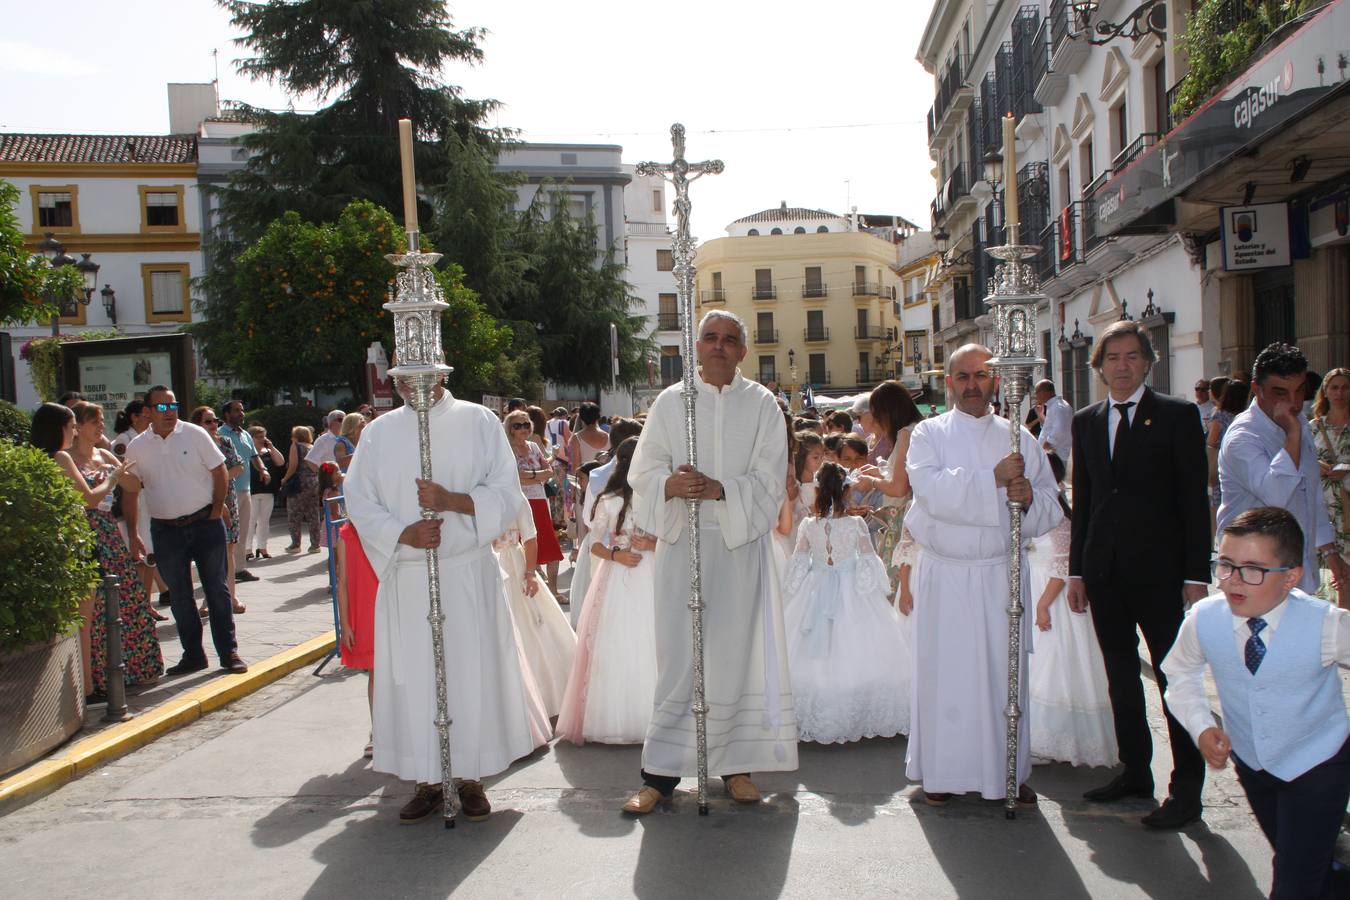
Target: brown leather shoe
(741, 789)
(473, 801)
(236, 665)
(937, 799)
(426, 801)
(644, 801)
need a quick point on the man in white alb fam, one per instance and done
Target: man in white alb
(476, 489)
(963, 477)
(742, 455)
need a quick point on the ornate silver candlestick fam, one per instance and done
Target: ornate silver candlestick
(678, 173)
(1014, 293)
(417, 308)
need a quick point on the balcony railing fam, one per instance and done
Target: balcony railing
(764, 293)
(951, 80)
(1029, 50)
(815, 335)
(1133, 149)
(1068, 240)
(866, 376)
(869, 333)
(1172, 92)
(668, 321)
(955, 187)
(965, 308)
(819, 378)
(766, 335)
(1092, 238)
(867, 288)
(1061, 23)
(1045, 260)
(1039, 54)
(1102, 178)
(767, 375)
(815, 291)
(716, 295)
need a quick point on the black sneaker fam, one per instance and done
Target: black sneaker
(187, 666)
(245, 575)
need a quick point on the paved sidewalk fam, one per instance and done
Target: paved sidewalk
(288, 624)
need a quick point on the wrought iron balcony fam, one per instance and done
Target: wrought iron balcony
(953, 90)
(869, 333)
(767, 375)
(815, 335)
(764, 293)
(766, 335)
(818, 378)
(867, 288)
(815, 291)
(1133, 149)
(1102, 178)
(866, 376)
(1045, 260)
(716, 295)
(668, 321)
(955, 188)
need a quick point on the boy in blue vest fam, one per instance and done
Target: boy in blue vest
(1273, 651)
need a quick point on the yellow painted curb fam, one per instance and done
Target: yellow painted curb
(43, 777)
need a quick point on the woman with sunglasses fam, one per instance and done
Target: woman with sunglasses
(205, 417)
(534, 471)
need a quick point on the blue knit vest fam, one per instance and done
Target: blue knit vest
(1290, 715)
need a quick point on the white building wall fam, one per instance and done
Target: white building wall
(647, 233)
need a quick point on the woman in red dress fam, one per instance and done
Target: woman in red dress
(535, 469)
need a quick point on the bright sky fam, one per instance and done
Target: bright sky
(809, 104)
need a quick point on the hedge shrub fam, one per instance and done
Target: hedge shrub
(15, 423)
(47, 565)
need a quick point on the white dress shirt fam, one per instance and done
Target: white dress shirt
(1185, 663)
(1256, 470)
(1057, 431)
(324, 449)
(175, 471)
(1113, 415)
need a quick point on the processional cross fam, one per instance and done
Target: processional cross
(680, 172)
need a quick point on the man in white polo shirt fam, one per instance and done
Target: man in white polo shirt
(325, 445)
(183, 475)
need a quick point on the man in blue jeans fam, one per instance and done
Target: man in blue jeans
(183, 475)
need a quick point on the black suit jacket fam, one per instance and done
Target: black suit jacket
(1148, 523)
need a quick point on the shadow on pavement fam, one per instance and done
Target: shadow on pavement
(422, 860)
(734, 852)
(591, 771)
(875, 774)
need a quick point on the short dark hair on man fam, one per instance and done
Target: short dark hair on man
(589, 414)
(1123, 328)
(1275, 523)
(70, 397)
(1278, 359)
(154, 390)
(1045, 384)
(623, 430)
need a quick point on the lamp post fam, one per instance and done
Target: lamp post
(55, 253)
(1148, 18)
(109, 302)
(792, 376)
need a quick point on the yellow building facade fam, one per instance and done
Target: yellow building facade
(820, 308)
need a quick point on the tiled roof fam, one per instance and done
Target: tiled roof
(787, 213)
(98, 148)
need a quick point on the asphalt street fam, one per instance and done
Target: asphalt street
(271, 797)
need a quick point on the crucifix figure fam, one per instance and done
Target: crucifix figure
(680, 172)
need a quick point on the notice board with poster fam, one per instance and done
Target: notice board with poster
(1254, 237)
(113, 372)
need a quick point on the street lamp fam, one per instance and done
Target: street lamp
(993, 167)
(1148, 18)
(109, 302)
(55, 253)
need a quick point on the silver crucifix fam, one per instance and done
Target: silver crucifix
(680, 173)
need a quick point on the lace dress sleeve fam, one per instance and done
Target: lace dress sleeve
(870, 575)
(800, 564)
(906, 550)
(1059, 549)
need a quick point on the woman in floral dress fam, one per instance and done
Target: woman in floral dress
(96, 472)
(302, 507)
(1331, 436)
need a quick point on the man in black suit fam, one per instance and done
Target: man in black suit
(1139, 553)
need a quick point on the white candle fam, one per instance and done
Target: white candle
(405, 146)
(1010, 218)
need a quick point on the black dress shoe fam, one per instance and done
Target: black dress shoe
(165, 599)
(245, 575)
(234, 664)
(1119, 788)
(1173, 814)
(187, 666)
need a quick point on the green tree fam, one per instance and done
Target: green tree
(28, 285)
(571, 294)
(311, 302)
(376, 63)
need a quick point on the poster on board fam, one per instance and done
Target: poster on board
(112, 381)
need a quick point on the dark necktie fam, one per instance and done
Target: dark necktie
(1256, 648)
(1122, 429)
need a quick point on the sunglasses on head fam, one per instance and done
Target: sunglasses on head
(165, 407)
